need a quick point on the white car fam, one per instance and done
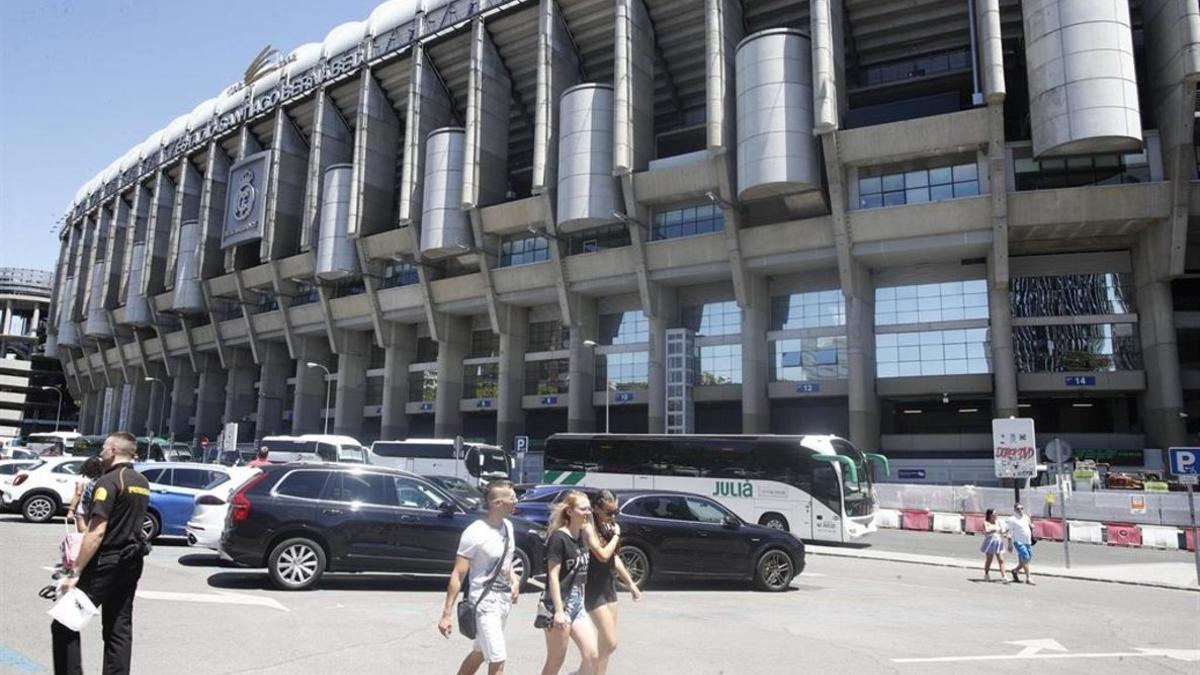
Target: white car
(208, 517)
(42, 490)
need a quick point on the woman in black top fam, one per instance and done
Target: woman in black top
(600, 593)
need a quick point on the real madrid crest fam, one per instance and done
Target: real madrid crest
(246, 193)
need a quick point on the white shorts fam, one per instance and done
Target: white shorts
(490, 618)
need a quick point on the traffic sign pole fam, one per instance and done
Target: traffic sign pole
(1062, 501)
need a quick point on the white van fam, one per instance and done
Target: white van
(313, 448)
(474, 462)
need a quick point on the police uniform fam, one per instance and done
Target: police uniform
(111, 576)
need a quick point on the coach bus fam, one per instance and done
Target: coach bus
(818, 487)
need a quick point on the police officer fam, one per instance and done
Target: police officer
(110, 558)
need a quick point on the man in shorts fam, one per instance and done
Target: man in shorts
(485, 552)
(1021, 530)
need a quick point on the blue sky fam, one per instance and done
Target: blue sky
(82, 82)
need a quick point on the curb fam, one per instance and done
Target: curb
(949, 562)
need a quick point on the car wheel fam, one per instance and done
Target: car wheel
(296, 564)
(151, 527)
(775, 521)
(520, 566)
(638, 564)
(774, 571)
(39, 508)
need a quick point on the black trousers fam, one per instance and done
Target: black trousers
(110, 582)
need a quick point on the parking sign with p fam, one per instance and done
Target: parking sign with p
(1185, 461)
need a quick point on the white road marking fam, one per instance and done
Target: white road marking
(1034, 646)
(219, 598)
(1032, 653)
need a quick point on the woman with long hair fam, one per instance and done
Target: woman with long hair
(561, 606)
(80, 508)
(993, 545)
(600, 593)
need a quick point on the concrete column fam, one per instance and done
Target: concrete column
(155, 408)
(240, 399)
(452, 349)
(510, 414)
(139, 406)
(37, 317)
(399, 353)
(373, 179)
(183, 400)
(756, 407)
(1162, 404)
(581, 413)
(1004, 369)
(87, 411)
(310, 385)
(351, 394)
(860, 343)
(110, 416)
(664, 318)
(8, 313)
(210, 399)
(277, 366)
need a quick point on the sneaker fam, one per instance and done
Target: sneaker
(1016, 578)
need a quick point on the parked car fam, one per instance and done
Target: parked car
(211, 508)
(466, 492)
(535, 503)
(304, 519)
(10, 467)
(42, 490)
(173, 490)
(18, 452)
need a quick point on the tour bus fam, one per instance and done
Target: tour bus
(51, 442)
(313, 448)
(471, 461)
(818, 487)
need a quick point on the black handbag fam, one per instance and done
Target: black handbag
(466, 608)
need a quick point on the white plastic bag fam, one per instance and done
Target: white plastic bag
(73, 610)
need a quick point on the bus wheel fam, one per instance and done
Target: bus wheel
(775, 521)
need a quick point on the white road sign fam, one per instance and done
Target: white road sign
(1014, 447)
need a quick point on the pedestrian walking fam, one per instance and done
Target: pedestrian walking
(993, 545)
(81, 502)
(561, 608)
(600, 592)
(485, 555)
(1020, 530)
(110, 559)
(261, 459)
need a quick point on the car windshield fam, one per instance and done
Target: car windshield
(462, 489)
(545, 493)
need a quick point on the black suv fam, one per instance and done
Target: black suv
(304, 519)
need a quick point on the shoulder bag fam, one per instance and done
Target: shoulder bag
(467, 609)
(545, 609)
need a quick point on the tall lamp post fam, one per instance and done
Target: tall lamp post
(328, 384)
(607, 385)
(162, 404)
(58, 415)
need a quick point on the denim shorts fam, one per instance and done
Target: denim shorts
(1024, 552)
(573, 604)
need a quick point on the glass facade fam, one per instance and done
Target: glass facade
(687, 221)
(484, 343)
(624, 328)
(551, 376)
(956, 60)
(1074, 348)
(925, 303)
(918, 186)
(720, 364)
(815, 309)
(599, 239)
(548, 336)
(523, 250)
(936, 352)
(422, 385)
(1072, 295)
(306, 293)
(1065, 172)
(399, 274)
(346, 287)
(629, 370)
(806, 359)
(427, 350)
(479, 381)
(713, 318)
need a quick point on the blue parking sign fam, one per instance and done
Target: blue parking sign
(1185, 461)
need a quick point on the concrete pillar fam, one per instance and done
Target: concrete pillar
(1162, 404)
(1004, 369)
(37, 317)
(240, 399)
(377, 132)
(210, 399)
(8, 313)
(310, 385)
(351, 394)
(664, 318)
(87, 412)
(581, 414)
(156, 404)
(183, 400)
(510, 413)
(399, 353)
(277, 366)
(110, 416)
(452, 349)
(756, 313)
(139, 407)
(860, 343)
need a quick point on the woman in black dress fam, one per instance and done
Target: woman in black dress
(600, 593)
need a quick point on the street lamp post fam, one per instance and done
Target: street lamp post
(328, 384)
(57, 415)
(607, 387)
(162, 404)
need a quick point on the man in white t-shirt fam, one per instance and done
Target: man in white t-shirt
(480, 549)
(1020, 529)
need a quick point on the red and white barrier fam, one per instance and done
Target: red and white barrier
(1048, 528)
(913, 519)
(1191, 539)
(951, 523)
(1123, 534)
(1159, 536)
(887, 518)
(1085, 531)
(973, 523)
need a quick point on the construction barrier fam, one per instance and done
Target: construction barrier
(1085, 531)
(948, 522)
(912, 519)
(973, 523)
(1190, 537)
(1123, 534)
(887, 518)
(1048, 528)
(1157, 536)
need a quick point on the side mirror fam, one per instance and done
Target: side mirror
(732, 522)
(447, 508)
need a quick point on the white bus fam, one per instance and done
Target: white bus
(473, 462)
(313, 448)
(51, 442)
(816, 486)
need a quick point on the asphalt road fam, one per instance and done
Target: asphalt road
(198, 616)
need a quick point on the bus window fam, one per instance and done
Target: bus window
(493, 461)
(570, 454)
(785, 463)
(327, 452)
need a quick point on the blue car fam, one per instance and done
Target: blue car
(173, 490)
(536, 503)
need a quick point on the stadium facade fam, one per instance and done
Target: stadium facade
(887, 219)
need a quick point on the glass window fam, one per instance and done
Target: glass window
(720, 364)
(427, 350)
(523, 250)
(948, 352)
(303, 484)
(399, 274)
(807, 359)
(479, 381)
(917, 187)
(706, 511)
(71, 468)
(547, 377)
(630, 370)
(814, 309)
(624, 328)
(195, 479)
(547, 336)
(1073, 295)
(927, 303)
(154, 475)
(1108, 169)
(1077, 348)
(422, 385)
(413, 494)
(668, 508)
(713, 318)
(484, 343)
(687, 221)
(365, 488)
(599, 239)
